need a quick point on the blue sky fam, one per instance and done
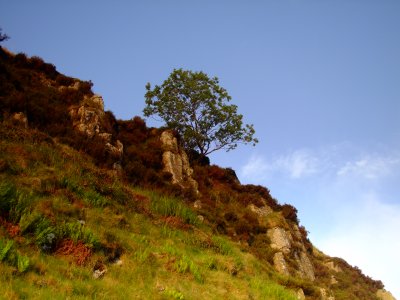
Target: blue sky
(320, 81)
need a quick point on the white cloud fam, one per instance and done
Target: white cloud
(370, 167)
(295, 165)
(298, 164)
(256, 167)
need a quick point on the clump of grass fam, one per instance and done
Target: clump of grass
(88, 195)
(186, 265)
(94, 198)
(168, 206)
(221, 245)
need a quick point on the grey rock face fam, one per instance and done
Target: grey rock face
(176, 162)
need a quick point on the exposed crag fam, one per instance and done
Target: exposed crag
(176, 162)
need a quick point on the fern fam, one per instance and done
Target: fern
(5, 250)
(23, 263)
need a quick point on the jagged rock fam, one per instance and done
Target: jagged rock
(86, 120)
(333, 280)
(106, 137)
(176, 162)
(280, 264)
(280, 239)
(300, 295)
(87, 117)
(305, 267)
(115, 151)
(384, 295)
(20, 119)
(296, 232)
(97, 102)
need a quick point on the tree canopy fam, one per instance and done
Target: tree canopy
(197, 108)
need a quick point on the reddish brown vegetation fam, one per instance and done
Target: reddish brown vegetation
(12, 229)
(79, 252)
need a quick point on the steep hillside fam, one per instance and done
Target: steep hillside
(94, 207)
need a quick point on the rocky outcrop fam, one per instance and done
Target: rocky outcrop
(280, 239)
(289, 246)
(87, 119)
(280, 264)
(305, 267)
(176, 162)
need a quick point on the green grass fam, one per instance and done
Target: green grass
(169, 206)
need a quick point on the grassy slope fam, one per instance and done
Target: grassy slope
(163, 258)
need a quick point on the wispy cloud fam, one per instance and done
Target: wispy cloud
(333, 161)
(298, 164)
(295, 165)
(370, 167)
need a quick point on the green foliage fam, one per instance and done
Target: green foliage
(174, 294)
(197, 108)
(23, 263)
(10, 255)
(168, 206)
(13, 203)
(94, 198)
(222, 245)
(5, 248)
(77, 232)
(186, 265)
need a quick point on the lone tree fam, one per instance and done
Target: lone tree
(197, 108)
